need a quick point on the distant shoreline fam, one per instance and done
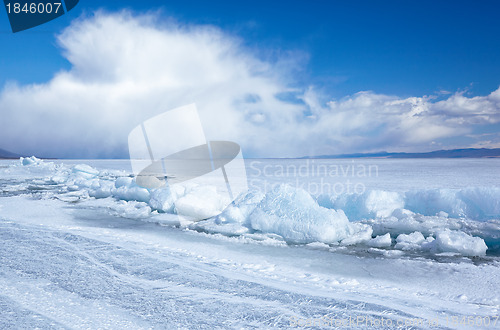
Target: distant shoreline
(438, 154)
(448, 154)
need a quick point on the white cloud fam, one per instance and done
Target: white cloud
(126, 69)
(369, 121)
(475, 110)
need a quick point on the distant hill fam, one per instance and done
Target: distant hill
(454, 153)
(4, 154)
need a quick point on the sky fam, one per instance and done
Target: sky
(281, 78)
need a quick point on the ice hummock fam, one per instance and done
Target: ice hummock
(458, 242)
(451, 241)
(380, 241)
(370, 204)
(433, 221)
(294, 215)
(477, 203)
(27, 161)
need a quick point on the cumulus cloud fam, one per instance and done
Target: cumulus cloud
(370, 121)
(127, 68)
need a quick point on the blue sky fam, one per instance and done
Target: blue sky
(327, 57)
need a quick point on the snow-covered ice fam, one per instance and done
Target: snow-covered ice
(82, 245)
(296, 216)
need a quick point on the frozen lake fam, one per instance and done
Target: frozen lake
(388, 174)
(404, 243)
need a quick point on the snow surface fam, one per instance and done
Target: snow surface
(81, 247)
